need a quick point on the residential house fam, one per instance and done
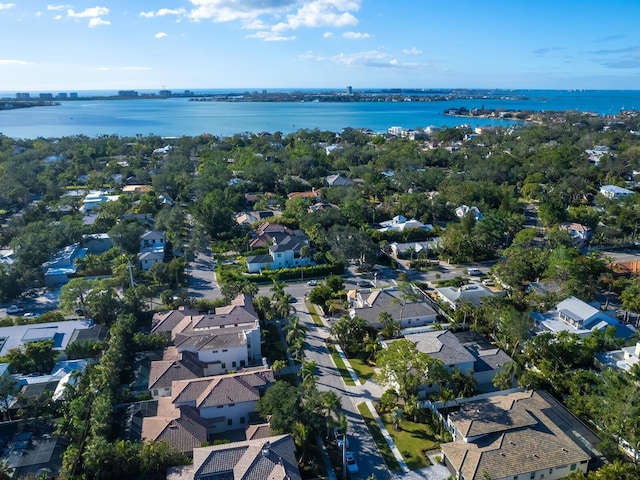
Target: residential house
(271, 458)
(61, 266)
(408, 312)
(614, 192)
(329, 149)
(97, 243)
(515, 434)
(399, 223)
(596, 153)
(313, 195)
(580, 234)
(202, 407)
(464, 210)
(31, 454)
(338, 180)
(404, 250)
(285, 249)
(152, 249)
(62, 333)
(226, 340)
(575, 316)
(469, 352)
(136, 189)
(174, 366)
(95, 198)
(7, 256)
(623, 359)
(249, 218)
(472, 293)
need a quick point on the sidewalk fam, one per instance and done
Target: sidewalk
(371, 391)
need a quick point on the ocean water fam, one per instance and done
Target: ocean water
(179, 116)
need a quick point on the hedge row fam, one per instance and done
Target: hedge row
(267, 276)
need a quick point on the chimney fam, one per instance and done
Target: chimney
(265, 449)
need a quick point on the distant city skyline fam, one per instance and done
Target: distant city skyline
(263, 44)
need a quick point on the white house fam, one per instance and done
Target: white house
(623, 359)
(95, 198)
(575, 316)
(152, 249)
(199, 408)
(399, 223)
(464, 210)
(614, 192)
(62, 265)
(284, 252)
(472, 293)
(225, 341)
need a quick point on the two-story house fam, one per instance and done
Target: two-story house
(285, 249)
(226, 340)
(152, 249)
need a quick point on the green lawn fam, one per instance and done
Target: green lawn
(412, 440)
(385, 451)
(337, 359)
(314, 315)
(362, 368)
(273, 348)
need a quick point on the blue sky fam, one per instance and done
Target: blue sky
(178, 44)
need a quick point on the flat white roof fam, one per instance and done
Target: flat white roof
(59, 332)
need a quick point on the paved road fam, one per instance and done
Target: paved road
(360, 440)
(202, 282)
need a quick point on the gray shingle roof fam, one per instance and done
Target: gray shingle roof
(442, 345)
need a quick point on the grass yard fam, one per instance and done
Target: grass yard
(385, 451)
(412, 440)
(362, 368)
(315, 318)
(337, 359)
(273, 348)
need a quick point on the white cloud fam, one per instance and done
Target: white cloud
(356, 35)
(277, 16)
(11, 61)
(97, 22)
(6, 6)
(58, 17)
(161, 35)
(163, 12)
(38, 14)
(371, 58)
(89, 12)
(57, 8)
(412, 51)
(327, 34)
(136, 68)
(268, 36)
(103, 69)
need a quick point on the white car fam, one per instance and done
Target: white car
(352, 465)
(312, 283)
(340, 437)
(14, 309)
(31, 315)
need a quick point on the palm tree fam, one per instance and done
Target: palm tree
(446, 395)
(371, 346)
(331, 402)
(396, 416)
(307, 374)
(300, 435)
(295, 330)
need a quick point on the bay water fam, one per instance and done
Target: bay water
(179, 116)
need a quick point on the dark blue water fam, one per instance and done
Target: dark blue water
(178, 116)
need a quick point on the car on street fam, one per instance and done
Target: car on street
(339, 435)
(474, 271)
(312, 283)
(14, 309)
(31, 315)
(352, 465)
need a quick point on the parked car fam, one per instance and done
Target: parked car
(312, 283)
(339, 435)
(14, 309)
(31, 315)
(474, 271)
(352, 465)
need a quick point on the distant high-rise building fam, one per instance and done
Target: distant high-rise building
(46, 96)
(61, 95)
(73, 95)
(164, 93)
(349, 90)
(127, 93)
(22, 96)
